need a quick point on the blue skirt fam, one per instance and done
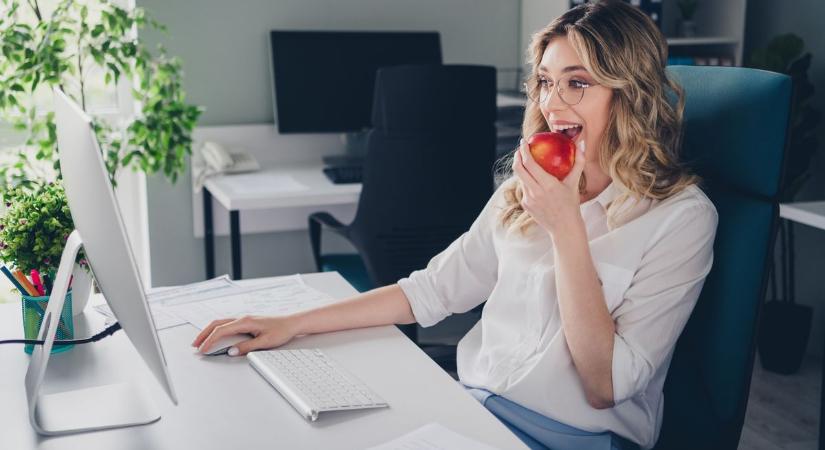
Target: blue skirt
(543, 433)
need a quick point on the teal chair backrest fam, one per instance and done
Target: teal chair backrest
(736, 121)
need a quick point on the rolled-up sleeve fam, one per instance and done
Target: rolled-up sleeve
(462, 276)
(661, 298)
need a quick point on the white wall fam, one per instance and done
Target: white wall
(535, 15)
(224, 52)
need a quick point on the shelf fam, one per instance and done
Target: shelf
(702, 41)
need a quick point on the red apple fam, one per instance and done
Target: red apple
(555, 152)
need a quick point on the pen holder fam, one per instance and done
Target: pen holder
(33, 310)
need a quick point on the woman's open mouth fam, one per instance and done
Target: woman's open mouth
(572, 130)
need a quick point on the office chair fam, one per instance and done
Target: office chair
(736, 121)
(427, 175)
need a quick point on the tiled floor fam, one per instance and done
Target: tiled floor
(783, 410)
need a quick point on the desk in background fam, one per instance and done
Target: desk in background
(319, 193)
(811, 214)
(225, 404)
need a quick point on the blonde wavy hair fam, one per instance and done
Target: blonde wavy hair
(623, 50)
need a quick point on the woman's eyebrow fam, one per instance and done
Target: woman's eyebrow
(565, 70)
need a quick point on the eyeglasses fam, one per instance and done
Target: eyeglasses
(570, 90)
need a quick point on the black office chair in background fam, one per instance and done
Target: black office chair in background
(428, 173)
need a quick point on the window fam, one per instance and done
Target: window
(109, 101)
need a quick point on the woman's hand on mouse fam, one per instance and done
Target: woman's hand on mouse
(553, 204)
(267, 332)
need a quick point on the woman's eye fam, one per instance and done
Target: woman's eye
(578, 84)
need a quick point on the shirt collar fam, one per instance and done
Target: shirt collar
(606, 196)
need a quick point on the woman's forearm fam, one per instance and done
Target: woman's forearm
(387, 305)
(588, 326)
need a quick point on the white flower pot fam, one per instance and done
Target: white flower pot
(81, 289)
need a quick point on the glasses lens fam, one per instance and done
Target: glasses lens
(531, 90)
(571, 91)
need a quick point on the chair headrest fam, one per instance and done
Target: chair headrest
(735, 119)
(434, 97)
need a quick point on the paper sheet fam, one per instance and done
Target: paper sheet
(162, 316)
(280, 297)
(160, 299)
(432, 436)
(262, 183)
(202, 290)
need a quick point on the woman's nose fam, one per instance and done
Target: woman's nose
(554, 102)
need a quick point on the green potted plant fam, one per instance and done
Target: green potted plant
(70, 44)
(33, 230)
(687, 27)
(786, 325)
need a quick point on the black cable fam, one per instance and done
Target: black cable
(110, 330)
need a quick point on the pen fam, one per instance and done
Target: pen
(52, 277)
(38, 284)
(13, 280)
(29, 288)
(47, 284)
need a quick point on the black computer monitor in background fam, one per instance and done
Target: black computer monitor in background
(323, 80)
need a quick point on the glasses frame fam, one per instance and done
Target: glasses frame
(556, 87)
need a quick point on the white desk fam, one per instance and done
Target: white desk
(807, 213)
(319, 192)
(225, 404)
(811, 214)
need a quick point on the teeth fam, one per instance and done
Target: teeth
(563, 127)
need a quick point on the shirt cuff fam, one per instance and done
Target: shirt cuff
(630, 373)
(426, 307)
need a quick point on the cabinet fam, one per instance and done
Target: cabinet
(720, 28)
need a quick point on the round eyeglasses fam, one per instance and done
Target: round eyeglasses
(569, 89)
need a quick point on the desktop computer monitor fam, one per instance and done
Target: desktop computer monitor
(323, 80)
(99, 229)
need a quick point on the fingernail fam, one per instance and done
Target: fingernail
(581, 146)
(233, 351)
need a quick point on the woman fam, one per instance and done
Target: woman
(589, 281)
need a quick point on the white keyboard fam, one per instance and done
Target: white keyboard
(312, 383)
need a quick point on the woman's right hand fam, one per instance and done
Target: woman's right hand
(267, 332)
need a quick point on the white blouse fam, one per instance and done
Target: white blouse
(652, 267)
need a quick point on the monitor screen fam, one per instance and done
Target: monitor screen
(323, 80)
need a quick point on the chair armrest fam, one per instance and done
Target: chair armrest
(315, 222)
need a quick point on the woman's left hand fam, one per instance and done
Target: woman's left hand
(553, 204)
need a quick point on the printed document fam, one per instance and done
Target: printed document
(161, 298)
(283, 296)
(433, 436)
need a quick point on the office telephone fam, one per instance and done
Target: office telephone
(222, 159)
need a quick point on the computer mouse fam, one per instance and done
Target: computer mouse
(222, 345)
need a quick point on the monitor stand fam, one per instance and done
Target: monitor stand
(89, 409)
(355, 144)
